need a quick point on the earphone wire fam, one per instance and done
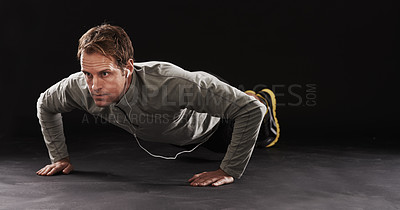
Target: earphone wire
(137, 140)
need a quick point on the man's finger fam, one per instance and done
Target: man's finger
(225, 180)
(198, 179)
(219, 183)
(46, 170)
(68, 169)
(42, 170)
(208, 181)
(39, 172)
(196, 176)
(53, 171)
(204, 180)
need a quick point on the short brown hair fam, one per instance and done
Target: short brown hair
(109, 40)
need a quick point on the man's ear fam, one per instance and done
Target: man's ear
(128, 68)
(129, 65)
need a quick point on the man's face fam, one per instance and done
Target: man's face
(105, 80)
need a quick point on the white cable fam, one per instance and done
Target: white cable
(148, 152)
(163, 157)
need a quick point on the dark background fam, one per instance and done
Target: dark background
(331, 63)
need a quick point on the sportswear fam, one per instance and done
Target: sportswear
(163, 103)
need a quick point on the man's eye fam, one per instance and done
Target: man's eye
(105, 73)
(88, 74)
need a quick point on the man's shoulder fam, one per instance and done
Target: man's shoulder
(161, 69)
(156, 66)
(75, 80)
(74, 83)
(76, 76)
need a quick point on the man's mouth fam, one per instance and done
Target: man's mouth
(98, 95)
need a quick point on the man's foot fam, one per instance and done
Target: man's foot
(269, 131)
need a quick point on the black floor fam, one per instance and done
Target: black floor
(112, 172)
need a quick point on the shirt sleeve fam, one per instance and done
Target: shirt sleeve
(205, 93)
(51, 103)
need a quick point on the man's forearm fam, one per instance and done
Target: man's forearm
(53, 133)
(244, 136)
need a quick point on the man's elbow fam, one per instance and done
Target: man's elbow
(261, 108)
(39, 105)
(43, 110)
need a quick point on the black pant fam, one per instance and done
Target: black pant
(221, 138)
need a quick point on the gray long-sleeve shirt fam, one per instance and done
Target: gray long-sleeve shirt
(163, 103)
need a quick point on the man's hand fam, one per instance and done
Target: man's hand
(62, 165)
(216, 178)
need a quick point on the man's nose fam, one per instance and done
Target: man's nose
(97, 84)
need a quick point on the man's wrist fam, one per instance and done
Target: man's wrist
(66, 159)
(226, 174)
